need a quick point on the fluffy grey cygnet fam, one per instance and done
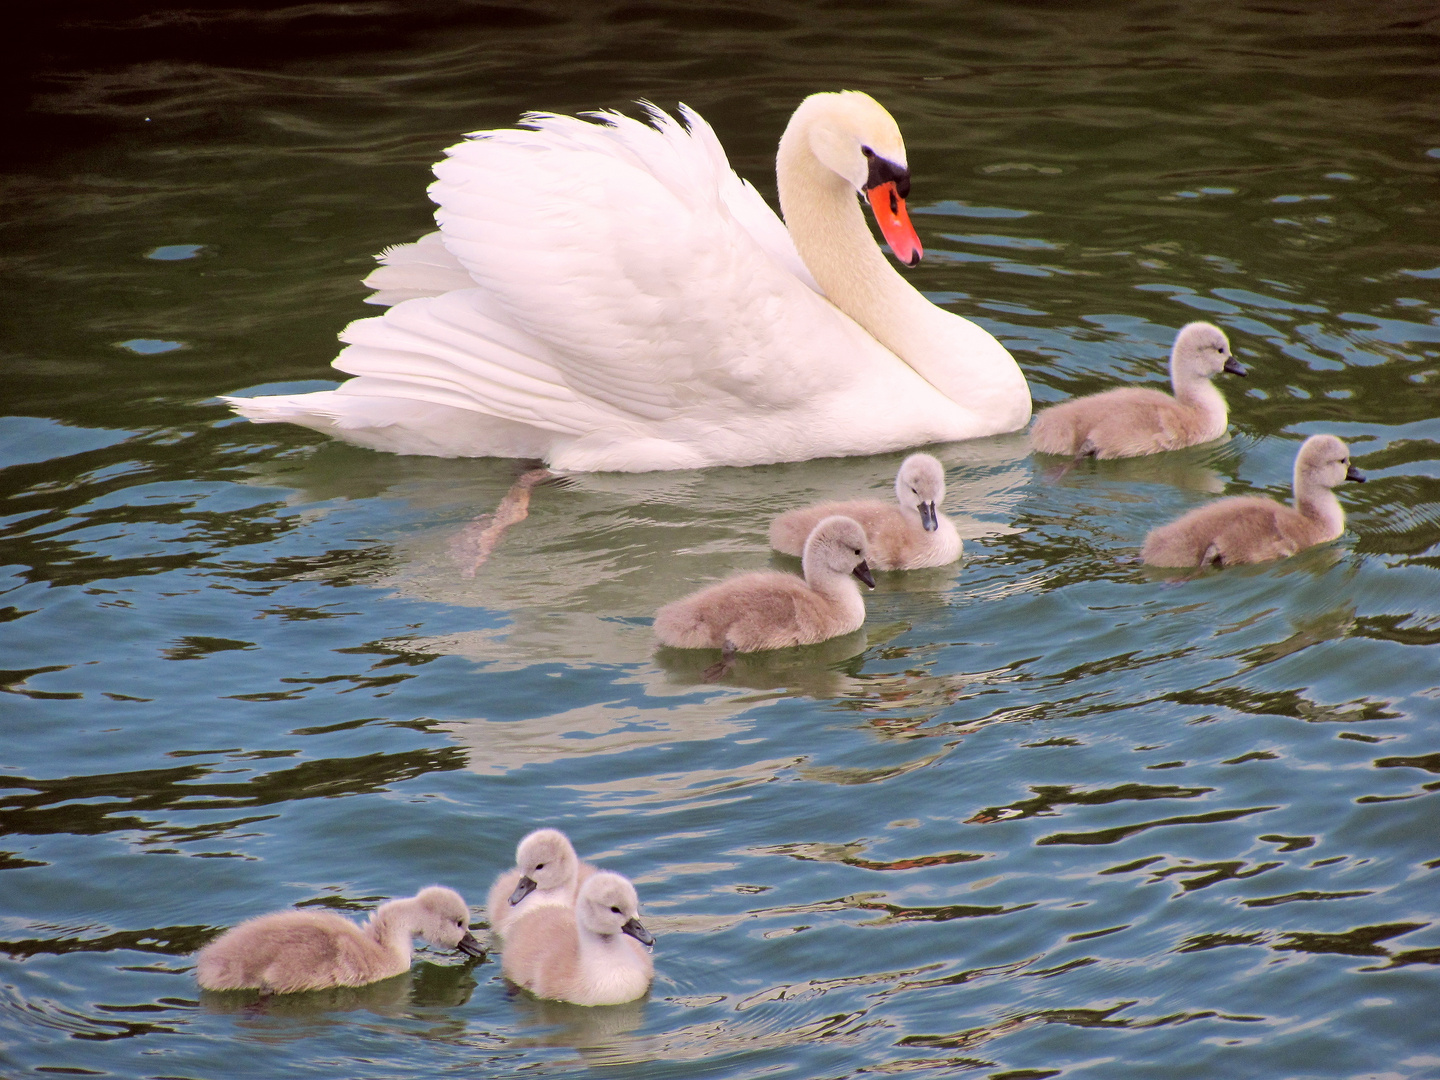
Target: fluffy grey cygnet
(290, 951)
(547, 871)
(904, 535)
(592, 954)
(770, 610)
(1251, 528)
(1137, 420)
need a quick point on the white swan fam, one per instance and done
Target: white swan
(611, 296)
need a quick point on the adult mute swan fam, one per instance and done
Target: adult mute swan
(611, 296)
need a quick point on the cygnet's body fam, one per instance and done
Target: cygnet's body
(1251, 528)
(904, 535)
(592, 954)
(289, 951)
(771, 610)
(547, 872)
(1135, 420)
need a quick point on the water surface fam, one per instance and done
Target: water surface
(1049, 813)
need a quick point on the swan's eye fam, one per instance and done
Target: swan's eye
(539, 866)
(616, 910)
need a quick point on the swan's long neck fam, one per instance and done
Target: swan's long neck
(1201, 394)
(391, 929)
(1321, 505)
(828, 226)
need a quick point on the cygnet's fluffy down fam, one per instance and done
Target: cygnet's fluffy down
(1136, 420)
(289, 951)
(547, 871)
(1250, 528)
(771, 610)
(592, 954)
(904, 535)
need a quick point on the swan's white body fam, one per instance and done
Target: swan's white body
(611, 296)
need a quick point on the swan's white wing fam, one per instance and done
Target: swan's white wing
(424, 268)
(616, 286)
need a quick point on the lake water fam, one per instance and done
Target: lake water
(1049, 813)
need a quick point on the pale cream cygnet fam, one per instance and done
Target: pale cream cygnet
(769, 610)
(904, 535)
(547, 871)
(1251, 528)
(288, 951)
(1137, 420)
(591, 954)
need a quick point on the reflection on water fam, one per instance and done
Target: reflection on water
(1049, 812)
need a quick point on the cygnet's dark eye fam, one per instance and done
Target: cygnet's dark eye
(539, 866)
(915, 491)
(616, 910)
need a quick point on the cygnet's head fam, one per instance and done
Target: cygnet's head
(1324, 461)
(837, 546)
(1201, 351)
(441, 918)
(852, 135)
(546, 860)
(920, 486)
(608, 905)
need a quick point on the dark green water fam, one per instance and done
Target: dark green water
(1048, 814)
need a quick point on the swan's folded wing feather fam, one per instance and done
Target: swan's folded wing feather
(406, 271)
(629, 265)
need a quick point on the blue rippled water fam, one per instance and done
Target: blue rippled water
(1051, 813)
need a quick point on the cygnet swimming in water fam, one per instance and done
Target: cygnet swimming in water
(289, 951)
(1251, 528)
(591, 954)
(766, 609)
(904, 535)
(547, 871)
(1137, 420)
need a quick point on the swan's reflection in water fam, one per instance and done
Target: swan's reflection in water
(576, 582)
(601, 1034)
(285, 1016)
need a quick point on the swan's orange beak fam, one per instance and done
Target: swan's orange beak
(894, 222)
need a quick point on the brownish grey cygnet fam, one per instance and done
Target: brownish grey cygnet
(1251, 528)
(547, 871)
(769, 610)
(904, 535)
(591, 954)
(1137, 420)
(289, 951)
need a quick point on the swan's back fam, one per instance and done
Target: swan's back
(892, 540)
(290, 951)
(1228, 532)
(1128, 422)
(760, 610)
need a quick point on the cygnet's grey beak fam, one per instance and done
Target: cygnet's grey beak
(1355, 474)
(1234, 367)
(638, 932)
(470, 946)
(862, 571)
(927, 516)
(524, 889)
